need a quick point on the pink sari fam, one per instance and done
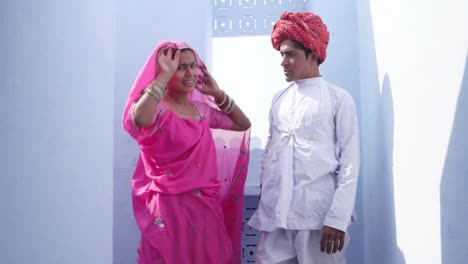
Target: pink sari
(188, 184)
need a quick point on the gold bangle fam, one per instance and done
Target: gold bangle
(157, 85)
(154, 82)
(157, 89)
(152, 93)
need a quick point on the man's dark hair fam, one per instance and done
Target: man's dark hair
(306, 50)
(300, 46)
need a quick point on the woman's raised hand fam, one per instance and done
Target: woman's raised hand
(211, 87)
(168, 62)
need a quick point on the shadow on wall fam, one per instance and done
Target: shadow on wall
(454, 183)
(377, 132)
(383, 215)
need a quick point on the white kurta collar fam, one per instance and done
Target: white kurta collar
(309, 83)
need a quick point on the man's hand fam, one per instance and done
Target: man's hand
(332, 240)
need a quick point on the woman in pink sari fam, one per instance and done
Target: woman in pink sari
(187, 199)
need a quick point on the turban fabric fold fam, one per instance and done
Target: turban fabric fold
(305, 28)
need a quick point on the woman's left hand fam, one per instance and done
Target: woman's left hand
(211, 87)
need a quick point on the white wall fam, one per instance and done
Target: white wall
(413, 97)
(56, 90)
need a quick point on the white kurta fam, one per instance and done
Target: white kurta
(311, 160)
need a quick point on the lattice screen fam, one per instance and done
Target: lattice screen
(250, 17)
(249, 235)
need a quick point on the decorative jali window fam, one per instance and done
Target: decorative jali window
(250, 17)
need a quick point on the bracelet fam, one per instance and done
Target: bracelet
(231, 109)
(223, 100)
(228, 105)
(151, 92)
(158, 88)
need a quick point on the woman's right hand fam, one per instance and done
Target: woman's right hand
(167, 64)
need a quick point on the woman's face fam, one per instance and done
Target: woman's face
(185, 77)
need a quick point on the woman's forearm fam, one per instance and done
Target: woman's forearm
(145, 107)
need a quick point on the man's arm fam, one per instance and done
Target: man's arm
(347, 140)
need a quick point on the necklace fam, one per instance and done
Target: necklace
(180, 111)
(177, 106)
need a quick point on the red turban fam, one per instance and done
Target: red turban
(305, 28)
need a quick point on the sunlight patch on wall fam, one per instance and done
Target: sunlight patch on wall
(248, 69)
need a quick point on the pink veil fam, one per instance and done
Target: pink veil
(232, 147)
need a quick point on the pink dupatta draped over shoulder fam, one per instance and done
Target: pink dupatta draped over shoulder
(213, 165)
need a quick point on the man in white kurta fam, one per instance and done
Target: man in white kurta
(311, 161)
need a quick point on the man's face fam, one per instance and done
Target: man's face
(295, 64)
